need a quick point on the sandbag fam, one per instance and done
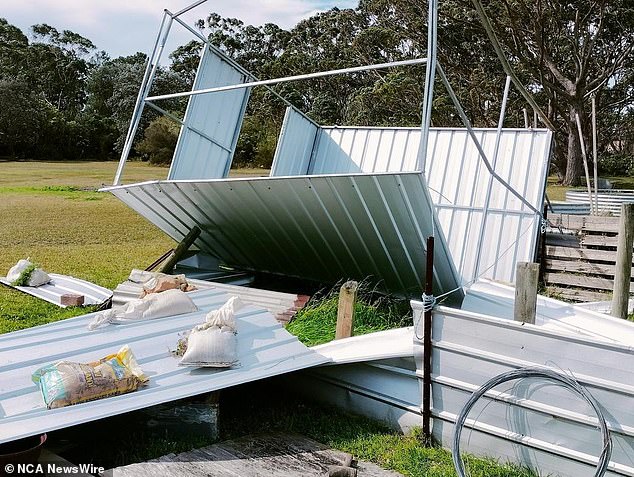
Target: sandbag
(65, 383)
(156, 305)
(162, 282)
(156, 282)
(214, 343)
(25, 273)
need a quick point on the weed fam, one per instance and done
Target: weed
(317, 321)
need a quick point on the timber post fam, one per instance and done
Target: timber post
(623, 271)
(345, 310)
(180, 250)
(526, 282)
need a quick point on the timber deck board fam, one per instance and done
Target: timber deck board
(264, 455)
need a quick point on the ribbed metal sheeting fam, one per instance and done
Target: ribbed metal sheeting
(296, 140)
(218, 116)
(265, 349)
(325, 228)
(459, 184)
(62, 285)
(609, 200)
(534, 423)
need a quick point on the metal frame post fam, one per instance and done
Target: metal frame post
(487, 198)
(427, 343)
(144, 90)
(430, 75)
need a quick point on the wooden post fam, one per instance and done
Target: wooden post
(427, 344)
(180, 250)
(623, 272)
(345, 312)
(526, 280)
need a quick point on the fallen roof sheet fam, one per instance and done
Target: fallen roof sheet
(265, 349)
(324, 228)
(62, 285)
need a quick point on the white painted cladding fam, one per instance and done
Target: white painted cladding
(531, 422)
(217, 115)
(459, 183)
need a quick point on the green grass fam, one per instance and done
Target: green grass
(317, 321)
(557, 192)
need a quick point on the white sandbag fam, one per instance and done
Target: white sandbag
(141, 276)
(214, 343)
(159, 305)
(157, 282)
(36, 278)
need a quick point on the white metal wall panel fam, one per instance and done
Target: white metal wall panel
(532, 422)
(460, 185)
(318, 227)
(295, 145)
(265, 349)
(218, 115)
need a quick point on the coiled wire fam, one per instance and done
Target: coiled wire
(545, 373)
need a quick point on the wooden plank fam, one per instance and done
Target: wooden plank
(595, 283)
(588, 254)
(599, 241)
(577, 294)
(578, 266)
(264, 455)
(588, 223)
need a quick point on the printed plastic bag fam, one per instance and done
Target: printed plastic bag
(214, 343)
(25, 273)
(156, 305)
(65, 383)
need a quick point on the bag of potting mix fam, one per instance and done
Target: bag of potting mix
(65, 382)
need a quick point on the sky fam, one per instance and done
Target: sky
(123, 27)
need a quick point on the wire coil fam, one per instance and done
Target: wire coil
(544, 373)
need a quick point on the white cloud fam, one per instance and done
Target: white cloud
(126, 26)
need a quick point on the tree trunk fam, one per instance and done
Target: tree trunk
(574, 163)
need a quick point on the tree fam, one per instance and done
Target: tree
(567, 51)
(23, 118)
(159, 141)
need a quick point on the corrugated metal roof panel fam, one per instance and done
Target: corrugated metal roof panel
(218, 116)
(459, 184)
(297, 140)
(265, 349)
(62, 285)
(319, 227)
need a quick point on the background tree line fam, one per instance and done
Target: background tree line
(61, 98)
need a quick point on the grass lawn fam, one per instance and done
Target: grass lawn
(557, 192)
(51, 213)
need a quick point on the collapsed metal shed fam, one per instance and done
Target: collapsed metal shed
(473, 209)
(323, 228)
